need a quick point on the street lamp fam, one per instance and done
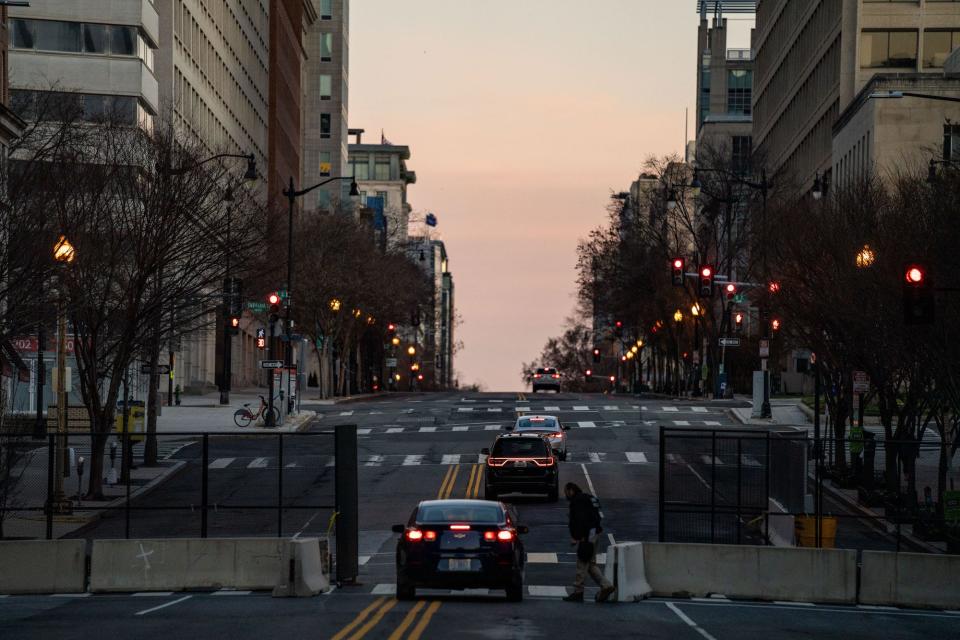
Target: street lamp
(64, 253)
(865, 257)
(411, 350)
(678, 316)
(292, 194)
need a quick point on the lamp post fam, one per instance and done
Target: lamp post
(292, 194)
(64, 253)
(678, 319)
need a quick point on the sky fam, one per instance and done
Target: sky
(522, 116)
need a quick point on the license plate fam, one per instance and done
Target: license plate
(458, 564)
(520, 464)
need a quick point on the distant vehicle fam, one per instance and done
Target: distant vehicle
(546, 378)
(460, 544)
(549, 427)
(521, 463)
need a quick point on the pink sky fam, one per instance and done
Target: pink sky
(521, 117)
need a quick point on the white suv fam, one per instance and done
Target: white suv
(546, 378)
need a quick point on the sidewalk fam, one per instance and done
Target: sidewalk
(785, 412)
(205, 414)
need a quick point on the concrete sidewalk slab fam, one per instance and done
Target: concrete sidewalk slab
(205, 414)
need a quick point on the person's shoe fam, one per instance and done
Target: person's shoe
(576, 596)
(605, 593)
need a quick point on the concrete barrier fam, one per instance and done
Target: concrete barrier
(303, 569)
(42, 566)
(179, 564)
(625, 569)
(761, 573)
(910, 579)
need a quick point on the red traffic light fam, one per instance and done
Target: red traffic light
(914, 275)
(391, 327)
(773, 286)
(588, 372)
(619, 324)
(235, 322)
(678, 263)
(273, 298)
(613, 378)
(706, 272)
(775, 324)
(738, 318)
(731, 291)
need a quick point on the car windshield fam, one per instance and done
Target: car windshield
(479, 513)
(520, 448)
(536, 424)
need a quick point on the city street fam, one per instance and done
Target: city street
(414, 447)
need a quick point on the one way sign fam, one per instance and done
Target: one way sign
(271, 364)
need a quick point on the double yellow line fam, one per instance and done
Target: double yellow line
(476, 476)
(450, 481)
(371, 616)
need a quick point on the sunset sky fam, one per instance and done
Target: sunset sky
(521, 116)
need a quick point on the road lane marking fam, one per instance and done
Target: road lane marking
(292, 465)
(73, 595)
(424, 621)
(427, 429)
(162, 606)
(689, 621)
(461, 428)
(152, 594)
(587, 425)
(594, 457)
(395, 430)
(374, 461)
(363, 615)
(412, 460)
(492, 427)
(384, 588)
(681, 423)
(496, 400)
(494, 409)
(674, 458)
(362, 560)
(522, 409)
(453, 481)
(545, 591)
(611, 407)
(451, 458)
(407, 621)
(581, 407)
(551, 408)
(465, 409)
(258, 463)
(230, 592)
(669, 409)
(699, 409)
(221, 463)
(473, 473)
(636, 456)
(750, 461)
(346, 413)
(363, 432)
(711, 460)
(593, 491)
(542, 558)
(712, 423)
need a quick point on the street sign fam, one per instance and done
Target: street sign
(861, 382)
(162, 369)
(271, 364)
(256, 306)
(391, 362)
(764, 348)
(740, 298)
(729, 342)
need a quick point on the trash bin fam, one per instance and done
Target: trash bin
(136, 414)
(805, 528)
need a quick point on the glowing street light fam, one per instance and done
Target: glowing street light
(411, 350)
(678, 316)
(335, 304)
(63, 251)
(695, 310)
(865, 257)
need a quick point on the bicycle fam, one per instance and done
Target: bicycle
(244, 417)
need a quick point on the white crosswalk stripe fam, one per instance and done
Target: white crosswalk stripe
(636, 456)
(673, 458)
(611, 407)
(594, 456)
(524, 409)
(374, 461)
(681, 423)
(496, 400)
(363, 432)
(547, 591)
(587, 425)
(711, 460)
(750, 461)
(385, 589)
(699, 409)
(258, 463)
(427, 429)
(712, 423)
(461, 428)
(494, 409)
(395, 430)
(220, 463)
(492, 427)
(346, 413)
(542, 558)
(412, 460)
(451, 458)
(669, 409)
(581, 408)
(551, 408)
(465, 409)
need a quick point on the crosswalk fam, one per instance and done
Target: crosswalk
(745, 460)
(412, 460)
(527, 408)
(166, 449)
(583, 424)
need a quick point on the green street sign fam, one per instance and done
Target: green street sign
(740, 298)
(256, 306)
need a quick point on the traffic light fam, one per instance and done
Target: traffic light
(596, 354)
(706, 281)
(731, 290)
(261, 338)
(918, 303)
(738, 321)
(773, 286)
(678, 269)
(588, 375)
(273, 299)
(618, 328)
(233, 323)
(391, 328)
(775, 324)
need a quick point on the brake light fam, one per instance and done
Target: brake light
(414, 535)
(543, 462)
(556, 375)
(429, 535)
(505, 536)
(556, 435)
(496, 462)
(536, 375)
(489, 536)
(460, 527)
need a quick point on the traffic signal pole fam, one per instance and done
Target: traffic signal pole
(269, 420)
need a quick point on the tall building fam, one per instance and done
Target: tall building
(102, 51)
(285, 73)
(325, 100)
(814, 60)
(434, 333)
(381, 172)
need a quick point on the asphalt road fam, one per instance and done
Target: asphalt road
(408, 446)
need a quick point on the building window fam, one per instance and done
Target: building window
(381, 169)
(740, 156)
(326, 87)
(888, 49)
(704, 92)
(326, 125)
(951, 142)
(326, 47)
(326, 9)
(360, 168)
(383, 198)
(77, 37)
(326, 163)
(739, 91)
(60, 106)
(96, 38)
(937, 45)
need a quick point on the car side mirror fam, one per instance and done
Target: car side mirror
(397, 528)
(522, 528)
(484, 451)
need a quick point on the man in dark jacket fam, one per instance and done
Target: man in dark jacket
(585, 533)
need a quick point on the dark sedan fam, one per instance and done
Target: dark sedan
(460, 544)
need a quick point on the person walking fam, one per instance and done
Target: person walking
(585, 534)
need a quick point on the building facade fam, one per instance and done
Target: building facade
(381, 171)
(813, 59)
(285, 73)
(433, 333)
(325, 101)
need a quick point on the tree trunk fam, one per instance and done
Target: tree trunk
(153, 399)
(99, 433)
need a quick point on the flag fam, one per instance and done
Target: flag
(383, 139)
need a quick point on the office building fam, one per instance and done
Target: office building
(381, 172)
(434, 333)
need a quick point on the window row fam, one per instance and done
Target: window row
(360, 168)
(61, 106)
(739, 91)
(888, 49)
(80, 37)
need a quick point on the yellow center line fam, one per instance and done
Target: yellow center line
(375, 620)
(473, 472)
(480, 471)
(360, 618)
(443, 485)
(452, 484)
(407, 621)
(424, 621)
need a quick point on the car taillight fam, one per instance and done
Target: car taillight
(505, 536)
(429, 535)
(489, 536)
(460, 527)
(543, 462)
(536, 375)
(496, 462)
(414, 535)
(556, 375)
(556, 435)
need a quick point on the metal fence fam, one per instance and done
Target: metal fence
(763, 487)
(256, 484)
